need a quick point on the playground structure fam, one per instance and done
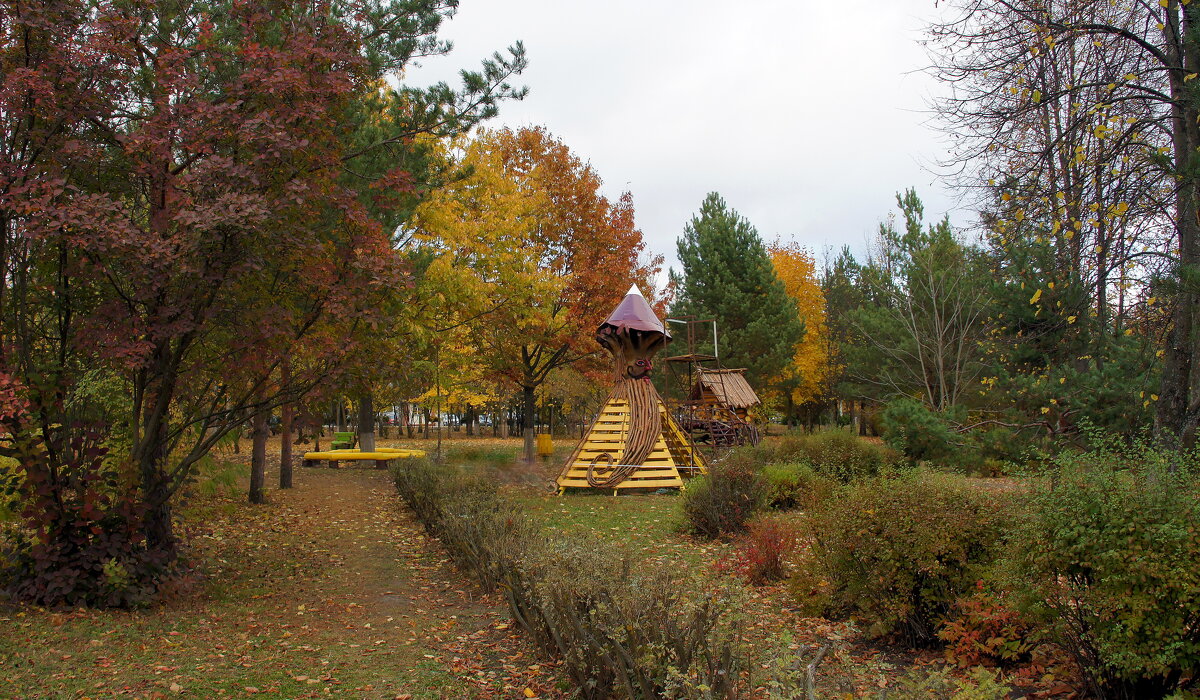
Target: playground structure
(715, 410)
(634, 443)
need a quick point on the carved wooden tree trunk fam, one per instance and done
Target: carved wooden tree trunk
(645, 424)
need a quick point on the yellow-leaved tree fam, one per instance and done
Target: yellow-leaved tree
(480, 267)
(804, 385)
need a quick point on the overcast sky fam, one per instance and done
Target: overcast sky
(807, 116)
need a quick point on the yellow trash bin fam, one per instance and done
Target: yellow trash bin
(545, 447)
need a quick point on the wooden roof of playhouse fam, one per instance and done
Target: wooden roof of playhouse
(729, 386)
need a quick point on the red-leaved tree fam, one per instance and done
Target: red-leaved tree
(176, 218)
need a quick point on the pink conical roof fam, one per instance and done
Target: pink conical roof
(633, 312)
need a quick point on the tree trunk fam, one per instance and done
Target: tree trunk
(530, 403)
(366, 423)
(156, 496)
(258, 457)
(1172, 426)
(285, 448)
(285, 432)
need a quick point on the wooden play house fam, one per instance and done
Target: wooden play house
(634, 443)
(717, 410)
(720, 392)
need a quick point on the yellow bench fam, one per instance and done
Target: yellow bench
(381, 456)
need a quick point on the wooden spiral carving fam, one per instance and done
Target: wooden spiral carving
(643, 425)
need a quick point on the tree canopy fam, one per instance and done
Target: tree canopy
(727, 275)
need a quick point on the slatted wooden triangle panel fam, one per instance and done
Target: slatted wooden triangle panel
(661, 469)
(687, 458)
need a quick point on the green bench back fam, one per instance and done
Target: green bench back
(346, 439)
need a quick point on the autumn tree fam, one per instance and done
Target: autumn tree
(1047, 371)
(174, 213)
(805, 382)
(481, 265)
(571, 255)
(1089, 110)
(728, 275)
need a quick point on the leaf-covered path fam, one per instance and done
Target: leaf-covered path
(330, 589)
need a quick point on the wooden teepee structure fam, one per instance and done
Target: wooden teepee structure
(634, 443)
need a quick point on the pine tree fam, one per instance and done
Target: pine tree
(727, 275)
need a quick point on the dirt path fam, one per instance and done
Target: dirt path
(329, 589)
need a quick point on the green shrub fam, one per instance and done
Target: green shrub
(10, 489)
(754, 456)
(1107, 556)
(1001, 445)
(217, 477)
(795, 485)
(932, 682)
(722, 501)
(917, 432)
(836, 453)
(897, 552)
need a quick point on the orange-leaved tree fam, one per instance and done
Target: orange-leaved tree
(583, 253)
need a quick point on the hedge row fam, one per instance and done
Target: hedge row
(644, 631)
